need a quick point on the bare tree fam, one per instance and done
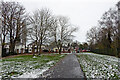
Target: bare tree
(92, 35)
(40, 23)
(62, 32)
(4, 10)
(13, 21)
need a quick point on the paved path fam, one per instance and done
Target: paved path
(69, 67)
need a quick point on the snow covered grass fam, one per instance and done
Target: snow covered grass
(99, 66)
(27, 66)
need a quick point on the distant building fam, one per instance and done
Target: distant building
(7, 47)
(20, 48)
(55, 49)
(34, 45)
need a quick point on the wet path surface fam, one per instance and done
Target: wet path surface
(68, 67)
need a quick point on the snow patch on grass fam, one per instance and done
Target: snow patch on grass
(61, 55)
(34, 57)
(99, 66)
(27, 66)
(51, 62)
(33, 74)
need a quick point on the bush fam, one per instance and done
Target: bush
(4, 52)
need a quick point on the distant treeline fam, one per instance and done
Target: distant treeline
(105, 38)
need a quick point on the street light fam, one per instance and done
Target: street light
(0, 40)
(0, 45)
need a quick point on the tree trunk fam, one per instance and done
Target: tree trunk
(3, 45)
(33, 51)
(118, 51)
(60, 49)
(12, 48)
(117, 44)
(40, 49)
(37, 49)
(3, 52)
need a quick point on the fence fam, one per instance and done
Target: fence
(105, 51)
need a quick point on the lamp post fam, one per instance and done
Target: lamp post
(0, 40)
(0, 45)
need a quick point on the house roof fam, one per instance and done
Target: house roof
(34, 42)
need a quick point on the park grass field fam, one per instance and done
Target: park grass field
(27, 66)
(99, 66)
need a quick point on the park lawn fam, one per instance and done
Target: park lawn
(27, 66)
(99, 66)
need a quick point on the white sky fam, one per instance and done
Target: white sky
(82, 13)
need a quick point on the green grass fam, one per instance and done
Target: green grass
(18, 65)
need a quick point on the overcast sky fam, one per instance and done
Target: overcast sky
(82, 13)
